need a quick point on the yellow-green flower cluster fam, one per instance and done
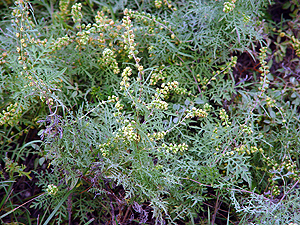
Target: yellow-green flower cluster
(229, 6)
(159, 3)
(105, 25)
(194, 112)
(125, 78)
(264, 69)
(104, 30)
(203, 81)
(286, 166)
(242, 149)
(153, 23)
(232, 63)
(63, 7)
(290, 166)
(76, 14)
(52, 189)
(119, 107)
(262, 59)
(173, 148)
(225, 118)
(223, 115)
(246, 129)
(61, 42)
(97, 34)
(158, 104)
(296, 45)
(21, 16)
(270, 102)
(128, 131)
(275, 190)
(157, 135)
(112, 98)
(227, 67)
(104, 149)
(181, 91)
(3, 58)
(23, 26)
(83, 37)
(11, 115)
(215, 136)
(228, 153)
(130, 44)
(158, 74)
(148, 19)
(109, 59)
(165, 89)
(207, 107)
(34, 82)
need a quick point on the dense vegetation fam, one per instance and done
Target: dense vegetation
(149, 112)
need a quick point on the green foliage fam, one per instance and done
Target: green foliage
(142, 114)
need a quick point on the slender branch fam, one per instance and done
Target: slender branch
(11, 211)
(6, 199)
(289, 190)
(216, 208)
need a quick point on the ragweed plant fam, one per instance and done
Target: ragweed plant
(141, 115)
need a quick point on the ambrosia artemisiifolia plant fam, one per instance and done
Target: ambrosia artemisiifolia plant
(140, 113)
